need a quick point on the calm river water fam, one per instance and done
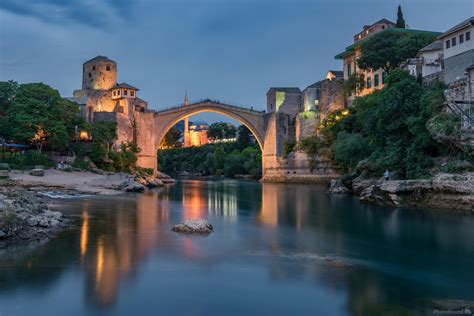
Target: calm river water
(277, 249)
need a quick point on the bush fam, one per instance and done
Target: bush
(288, 147)
(389, 128)
(349, 149)
(28, 160)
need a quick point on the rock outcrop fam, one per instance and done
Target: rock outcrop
(194, 226)
(444, 191)
(25, 217)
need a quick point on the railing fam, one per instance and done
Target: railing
(195, 102)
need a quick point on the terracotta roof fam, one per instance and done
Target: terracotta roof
(124, 85)
(466, 22)
(100, 58)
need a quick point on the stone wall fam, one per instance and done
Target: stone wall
(306, 124)
(99, 75)
(297, 167)
(454, 67)
(332, 97)
(284, 100)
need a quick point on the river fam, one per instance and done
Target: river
(277, 249)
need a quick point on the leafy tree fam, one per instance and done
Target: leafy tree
(36, 116)
(104, 133)
(221, 130)
(389, 129)
(243, 138)
(349, 149)
(354, 84)
(387, 50)
(234, 164)
(171, 139)
(400, 19)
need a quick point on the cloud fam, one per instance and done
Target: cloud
(102, 14)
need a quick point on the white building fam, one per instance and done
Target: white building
(458, 50)
(431, 58)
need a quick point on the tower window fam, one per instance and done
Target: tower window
(93, 67)
(90, 75)
(453, 41)
(125, 92)
(107, 67)
(132, 93)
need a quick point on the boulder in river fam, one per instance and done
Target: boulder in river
(194, 226)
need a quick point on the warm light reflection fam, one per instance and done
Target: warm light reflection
(100, 261)
(84, 232)
(269, 213)
(194, 204)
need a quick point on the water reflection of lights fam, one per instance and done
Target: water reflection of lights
(222, 204)
(269, 213)
(84, 232)
(194, 204)
(100, 261)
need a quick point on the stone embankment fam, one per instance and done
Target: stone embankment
(25, 216)
(443, 191)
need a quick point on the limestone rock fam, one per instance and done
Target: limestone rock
(37, 172)
(444, 191)
(135, 187)
(337, 187)
(190, 226)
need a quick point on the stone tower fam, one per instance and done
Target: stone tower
(187, 140)
(99, 73)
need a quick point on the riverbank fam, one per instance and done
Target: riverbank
(25, 215)
(85, 182)
(443, 191)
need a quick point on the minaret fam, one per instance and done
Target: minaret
(186, 139)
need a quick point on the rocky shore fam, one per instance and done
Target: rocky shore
(25, 216)
(443, 191)
(84, 182)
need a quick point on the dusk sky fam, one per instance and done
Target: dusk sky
(227, 50)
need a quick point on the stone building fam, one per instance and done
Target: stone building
(458, 50)
(198, 133)
(102, 98)
(302, 111)
(375, 78)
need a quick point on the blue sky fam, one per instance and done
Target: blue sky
(229, 50)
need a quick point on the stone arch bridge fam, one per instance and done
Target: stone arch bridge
(152, 126)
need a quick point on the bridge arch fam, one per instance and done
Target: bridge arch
(164, 120)
(252, 125)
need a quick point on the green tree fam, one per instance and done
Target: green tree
(389, 128)
(104, 133)
(243, 137)
(221, 130)
(386, 50)
(172, 139)
(400, 19)
(36, 116)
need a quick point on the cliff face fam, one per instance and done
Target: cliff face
(444, 191)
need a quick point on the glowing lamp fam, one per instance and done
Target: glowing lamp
(83, 135)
